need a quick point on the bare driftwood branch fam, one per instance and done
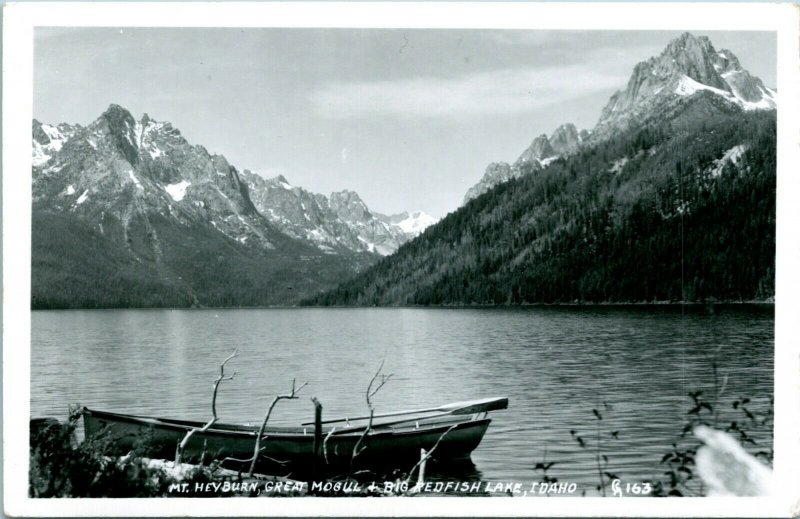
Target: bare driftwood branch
(428, 454)
(325, 444)
(182, 445)
(384, 378)
(257, 450)
(248, 460)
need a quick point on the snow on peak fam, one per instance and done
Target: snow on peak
(55, 136)
(177, 191)
(416, 222)
(688, 86)
(44, 152)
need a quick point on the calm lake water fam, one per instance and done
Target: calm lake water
(554, 364)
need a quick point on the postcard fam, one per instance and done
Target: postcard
(463, 259)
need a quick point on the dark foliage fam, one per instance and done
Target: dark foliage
(61, 468)
(158, 263)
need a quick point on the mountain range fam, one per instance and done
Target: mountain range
(670, 197)
(126, 212)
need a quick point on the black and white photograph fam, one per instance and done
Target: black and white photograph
(315, 259)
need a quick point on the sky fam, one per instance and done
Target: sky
(409, 119)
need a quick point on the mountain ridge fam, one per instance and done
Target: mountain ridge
(688, 64)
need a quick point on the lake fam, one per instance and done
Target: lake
(556, 364)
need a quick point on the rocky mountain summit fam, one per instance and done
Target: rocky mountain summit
(122, 169)
(565, 140)
(341, 220)
(689, 67)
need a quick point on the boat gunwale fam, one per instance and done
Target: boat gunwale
(251, 431)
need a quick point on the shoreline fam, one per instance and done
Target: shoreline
(606, 304)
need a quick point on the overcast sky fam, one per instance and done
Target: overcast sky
(407, 118)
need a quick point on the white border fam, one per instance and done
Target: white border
(19, 21)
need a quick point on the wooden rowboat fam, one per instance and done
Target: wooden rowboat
(387, 443)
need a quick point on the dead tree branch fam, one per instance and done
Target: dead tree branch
(182, 445)
(248, 460)
(257, 450)
(325, 444)
(384, 378)
(427, 455)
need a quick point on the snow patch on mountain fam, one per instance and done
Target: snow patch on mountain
(618, 165)
(154, 152)
(547, 161)
(48, 140)
(732, 155)
(40, 156)
(688, 87)
(416, 222)
(177, 191)
(135, 180)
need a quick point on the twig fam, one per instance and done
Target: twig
(257, 449)
(325, 444)
(429, 453)
(358, 448)
(247, 460)
(182, 445)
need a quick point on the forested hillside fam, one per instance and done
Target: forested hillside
(681, 208)
(76, 265)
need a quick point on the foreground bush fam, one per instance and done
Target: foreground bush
(60, 467)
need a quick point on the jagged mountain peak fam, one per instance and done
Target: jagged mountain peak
(539, 149)
(39, 135)
(657, 87)
(346, 196)
(349, 206)
(496, 173)
(688, 64)
(565, 139)
(116, 114)
(339, 222)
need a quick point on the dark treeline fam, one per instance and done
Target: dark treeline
(158, 263)
(671, 222)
